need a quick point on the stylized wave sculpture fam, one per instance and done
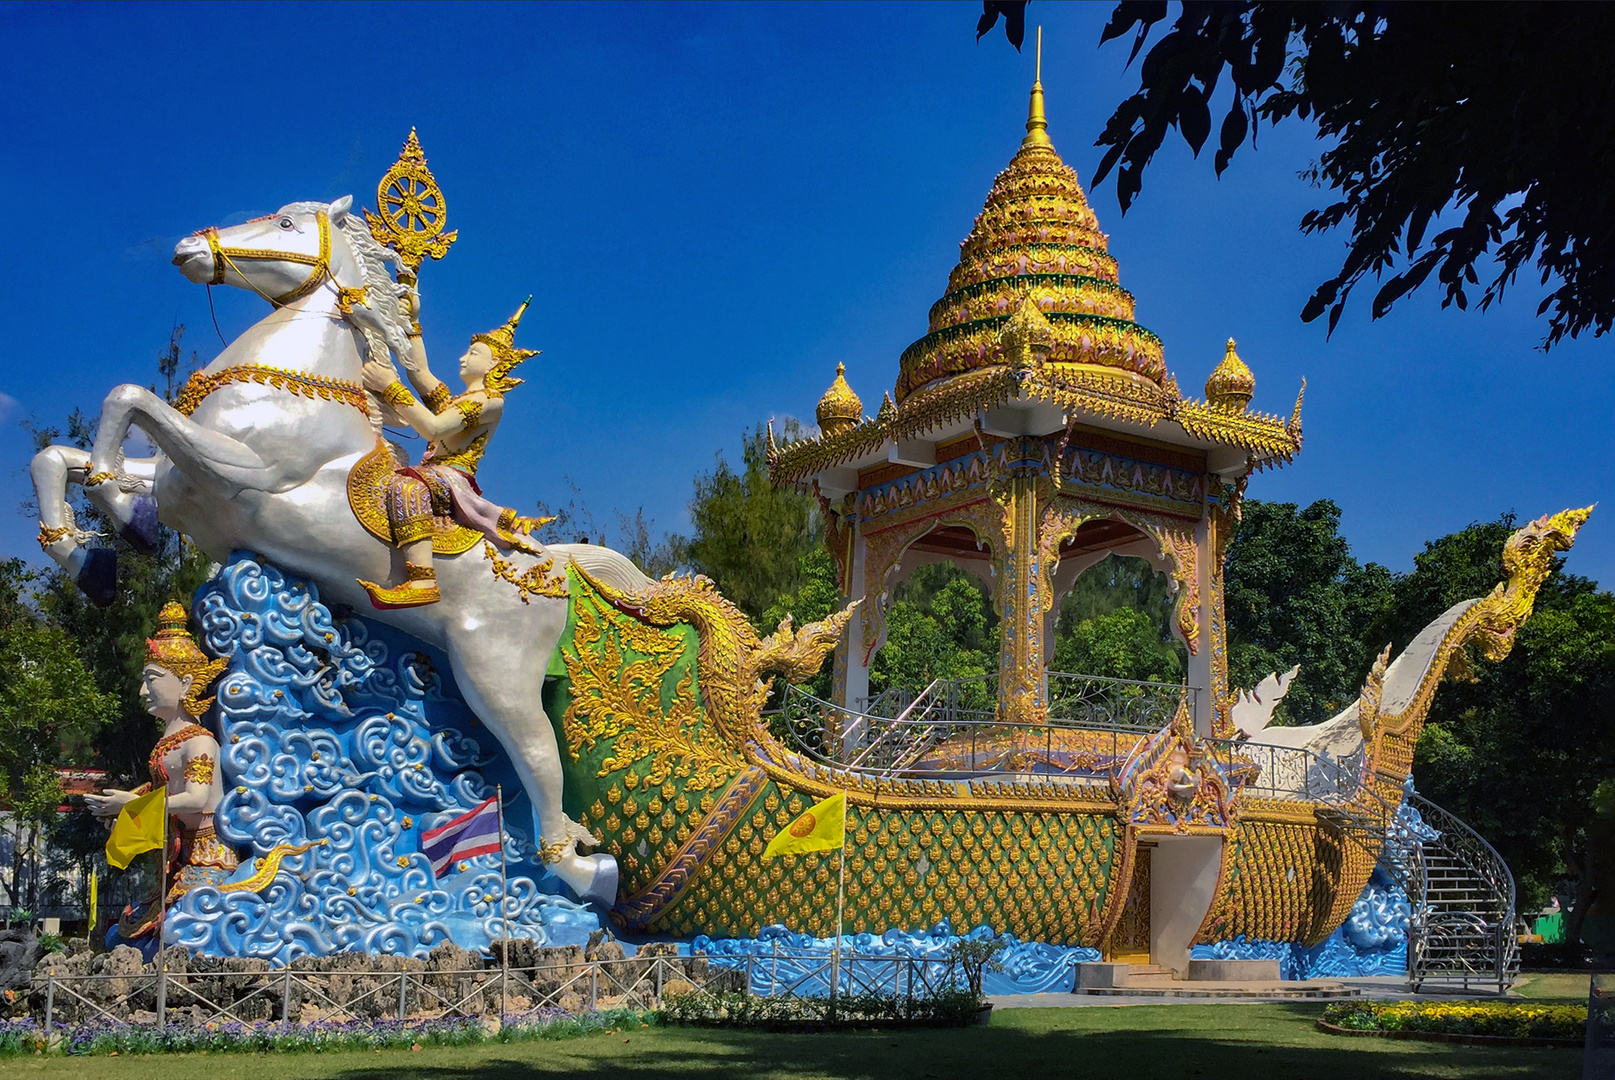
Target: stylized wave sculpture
(351, 733)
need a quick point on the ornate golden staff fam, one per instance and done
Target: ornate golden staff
(413, 212)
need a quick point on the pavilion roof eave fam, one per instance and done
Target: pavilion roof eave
(1093, 397)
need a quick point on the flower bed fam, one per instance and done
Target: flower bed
(1478, 1020)
(945, 1008)
(28, 1037)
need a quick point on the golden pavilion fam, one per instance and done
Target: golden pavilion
(1034, 431)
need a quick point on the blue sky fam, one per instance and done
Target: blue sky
(713, 205)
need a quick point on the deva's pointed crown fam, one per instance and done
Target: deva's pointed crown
(502, 343)
(174, 648)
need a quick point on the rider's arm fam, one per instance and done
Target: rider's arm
(460, 416)
(428, 386)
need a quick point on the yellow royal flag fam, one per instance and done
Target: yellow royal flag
(821, 827)
(95, 901)
(139, 828)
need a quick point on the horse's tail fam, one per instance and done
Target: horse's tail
(605, 565)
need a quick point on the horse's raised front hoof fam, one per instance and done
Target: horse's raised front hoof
(141, 532)
(98, 577)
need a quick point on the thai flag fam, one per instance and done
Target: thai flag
(473, 833)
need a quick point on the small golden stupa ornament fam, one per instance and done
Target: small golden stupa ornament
(1028, 336)
(1231, 385)
(413, 212)
(839, 409)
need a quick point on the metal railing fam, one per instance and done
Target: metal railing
(1461, 895)
(290, 995)
(1082, 700)
(896, 732)
(802, 973)
(294, 996)
(1469, 906)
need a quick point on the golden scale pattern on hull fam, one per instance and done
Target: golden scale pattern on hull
(672, 766)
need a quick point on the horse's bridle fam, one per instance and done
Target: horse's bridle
(321, 266)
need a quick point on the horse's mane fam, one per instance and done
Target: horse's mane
(380, 318)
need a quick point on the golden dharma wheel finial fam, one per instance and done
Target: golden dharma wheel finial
(412, 210)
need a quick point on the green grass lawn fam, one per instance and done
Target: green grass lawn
(1565, 986)
(1173, 1042)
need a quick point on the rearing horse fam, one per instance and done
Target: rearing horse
(256, 456)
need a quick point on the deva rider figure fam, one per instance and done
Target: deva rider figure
(423, 498)
(185, 761)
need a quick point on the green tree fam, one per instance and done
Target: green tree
(940, 625)
(1520, 752)
(1295, 595)
(51, 714)
(1455, 135)
(749, 537)
(1116, 620)
(1124, 643)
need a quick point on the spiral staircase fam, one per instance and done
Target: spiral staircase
(1462, 933)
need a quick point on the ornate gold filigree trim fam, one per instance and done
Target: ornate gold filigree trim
(302, 384)
(534, 581)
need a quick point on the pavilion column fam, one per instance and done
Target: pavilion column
(1022, 693)
(852, 669)
(1202, 657)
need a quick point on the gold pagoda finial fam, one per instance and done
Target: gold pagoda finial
(502, 343)
(839, 409)
(1037, 124)
(1231, 385)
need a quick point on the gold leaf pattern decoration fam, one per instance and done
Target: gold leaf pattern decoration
(618, 668)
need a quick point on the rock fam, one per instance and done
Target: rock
(608, 949)
(450, 957)
(124, 961)
(658, 948)
(20, 953)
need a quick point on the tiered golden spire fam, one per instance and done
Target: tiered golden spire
(1036, 238)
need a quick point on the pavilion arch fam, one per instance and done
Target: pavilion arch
(970, 537)
(1076, 535)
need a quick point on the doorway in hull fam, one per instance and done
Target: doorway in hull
(1130, 940)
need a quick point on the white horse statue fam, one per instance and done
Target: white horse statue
(257, 455)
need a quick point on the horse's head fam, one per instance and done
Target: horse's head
(283, 257)
(302, 251)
